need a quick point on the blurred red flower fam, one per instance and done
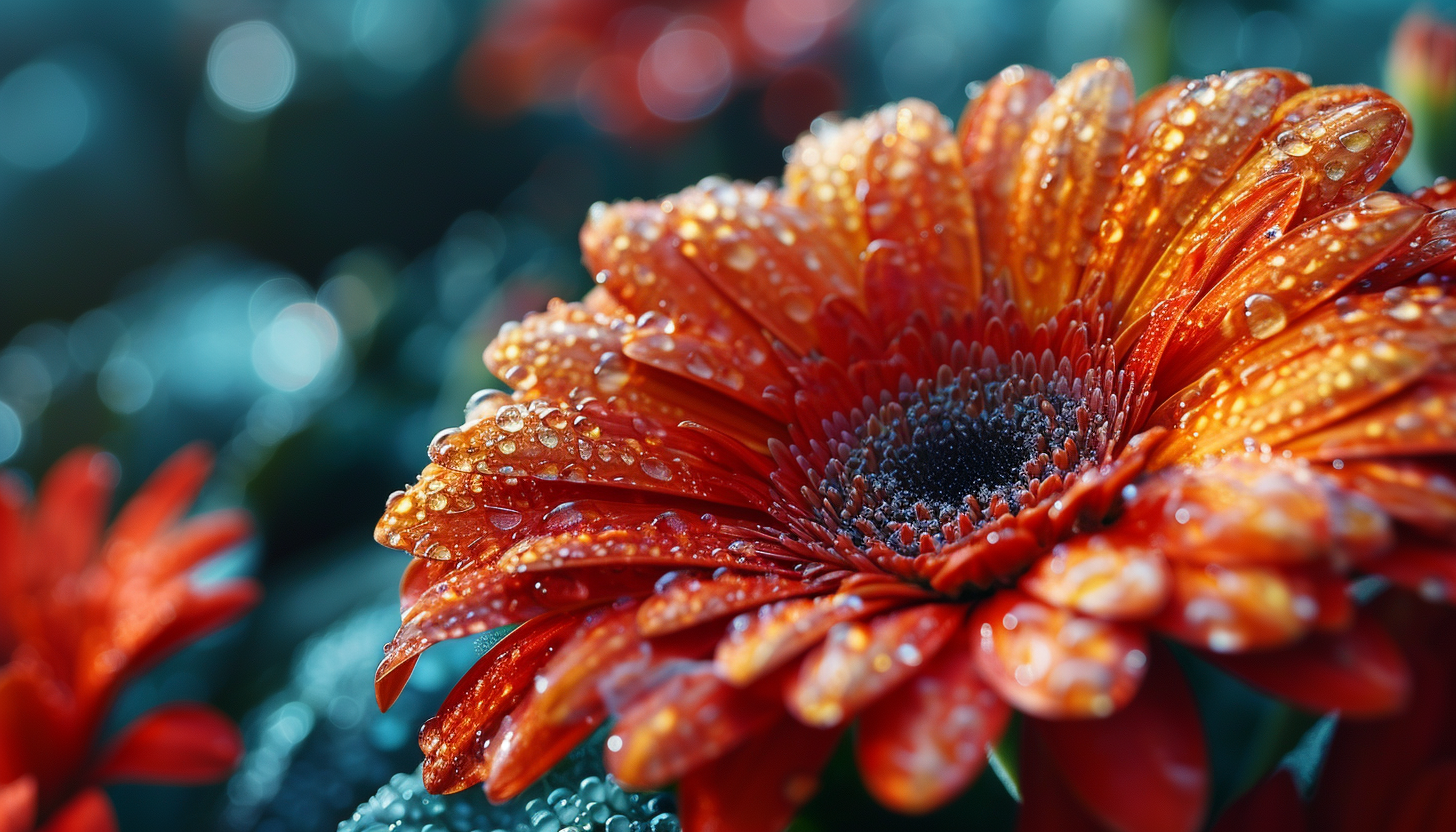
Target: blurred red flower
(634, 68)
(955, 423)
(81, 614)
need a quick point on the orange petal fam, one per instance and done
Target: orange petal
(1233, 609)
(470, 601)
(1360, 673)
(860, 660)
(1066, 176)
(1429, 248)
(917, 198)
(1180, 158)
(1412, 493)
(1286, 279)
(1345, 141)
(1102, 575)
(459, 741)
(690, 600)
(182, 743)
(445, 515)
(662, 538)
(1416, 422)
(565, 704)
(770, 258)
(992, 131)
(823, 177)
(1052, 663)
(1340, 362)
(763, 641)
(588, 442)
(691, 719)
(923, 743)
(1145, 768)
(1244, 509)
(758, 786)
(685, 325)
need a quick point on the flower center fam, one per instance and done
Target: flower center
(939, 460)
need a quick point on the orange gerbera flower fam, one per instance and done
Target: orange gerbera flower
(80, 616)
(947, 425)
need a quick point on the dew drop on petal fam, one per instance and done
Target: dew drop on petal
(1263, 315)
(510, 418)
(1356, 141)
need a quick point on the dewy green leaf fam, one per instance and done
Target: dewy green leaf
(1005, 758)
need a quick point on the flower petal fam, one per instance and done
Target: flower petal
(760, 642)
(758, 786)
(1428, 569)
(860, 660)
(685, 326)
(70, 510)
(1416, 422)
(687, 721)
(159, 503)
(1204, 132)
(1360, 673)
(1420, 495)
(17, 805)
(1143, 769)
(89, 811)
(662, 538)
(1052, 663)
(458, 742)
(182, 743)
(1246, 509)
(588, 442)
(1066, 176)
(197, 613)
(923, 743)
(690, 600)
(1285, 280)
(1047, 804)
(992, 131)
(1274, 805)
(1232, 609)
(1109, 575)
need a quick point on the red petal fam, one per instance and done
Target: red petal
(182, 743)
(201, 612)
(1427, 569)
(1360, 673)
(1052, 663)
(761, 642)
(194, 542)
(1143, 769)
(686, 721)
(1411, 492)
(70, 510)
(1271, 806)
(160, 502)
(1430, 803)
(17, 805)
(90, 811)
(458, 741)
(761, 784)
(924, 742)
(859, 660)
(1047, 805)
(1103, 575)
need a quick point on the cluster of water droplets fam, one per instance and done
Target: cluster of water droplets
(590, 804)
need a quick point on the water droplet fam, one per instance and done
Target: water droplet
(611, 373)
(741, 257)
(1335, 170)
(799, 307)
(510, 418)
(1291, 143)
(1264, 316)
(1356, 141)
(656, 469)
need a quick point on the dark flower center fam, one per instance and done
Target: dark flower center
(943, 458)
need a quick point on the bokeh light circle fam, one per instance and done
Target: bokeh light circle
(45, 115)
(251, 67)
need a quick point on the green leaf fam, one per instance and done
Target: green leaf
(1005, 758)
